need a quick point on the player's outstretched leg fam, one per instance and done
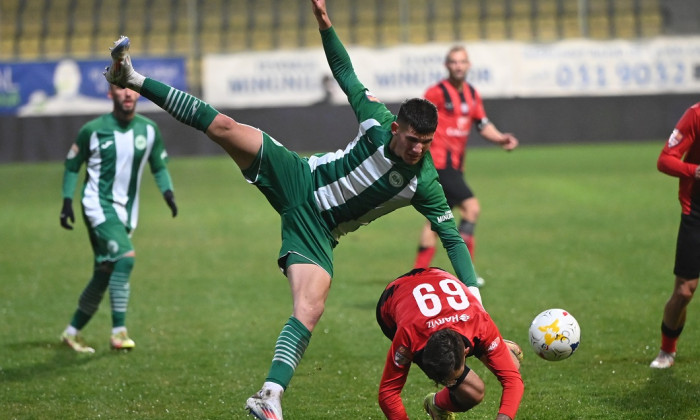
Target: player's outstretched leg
(121, 72)
(266, 404)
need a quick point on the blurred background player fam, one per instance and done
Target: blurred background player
(680, 158)
(323, 197)
(115, 148)
(434, 321)
(459, 106)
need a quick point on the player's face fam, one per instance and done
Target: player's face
(458, 64)
(452, 380)
(124, 99)
(409, 145)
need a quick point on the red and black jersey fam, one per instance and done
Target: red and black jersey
(680, 158)
(416, 305)
(457, 111)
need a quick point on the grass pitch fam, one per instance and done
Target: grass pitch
(588, 228)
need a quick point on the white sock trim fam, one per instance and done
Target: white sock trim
(274, 387)
(117, 330)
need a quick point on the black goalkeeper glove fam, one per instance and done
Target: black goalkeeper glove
(67, 213)
(170, 199)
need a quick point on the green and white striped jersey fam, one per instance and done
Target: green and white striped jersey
(115, 155)
(367, 180)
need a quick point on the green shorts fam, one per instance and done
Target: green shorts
(286, 181)
(110, 240)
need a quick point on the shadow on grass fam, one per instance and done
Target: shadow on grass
(61, 358)
(666, 394)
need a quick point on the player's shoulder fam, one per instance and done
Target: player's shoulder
(96, 124)
(434, 90)
(144, 120)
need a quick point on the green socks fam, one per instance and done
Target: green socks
(184, 107)
(119, 290)
(290, 348)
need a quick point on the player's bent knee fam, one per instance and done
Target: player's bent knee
(470, 393)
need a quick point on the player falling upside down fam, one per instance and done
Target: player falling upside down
(325, 196)
(435, 322)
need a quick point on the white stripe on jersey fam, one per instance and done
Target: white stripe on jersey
(124, 151)
(150, 140)
(315, 161)
(91, 197)
(398, 201)
(354, 183)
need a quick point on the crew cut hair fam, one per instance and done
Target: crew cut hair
(419, 114)
(442, 355)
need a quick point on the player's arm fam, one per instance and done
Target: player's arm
(430, 201)
(74, 160)
(487, 129)
(393, 381)
(506, 140)
(363, 104)
(670, 160)
(500, 362)
(158, 160)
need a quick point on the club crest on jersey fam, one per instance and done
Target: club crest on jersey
(675, 138)
(140, 142)
(396, 179)
(402, 357)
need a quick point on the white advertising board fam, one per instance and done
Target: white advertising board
(499, 69)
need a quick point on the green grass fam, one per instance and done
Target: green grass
(589, 228)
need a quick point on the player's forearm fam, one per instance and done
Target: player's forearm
(674, 166)
(70, 180)
(319, 8)
(338, 60)
(163, 180)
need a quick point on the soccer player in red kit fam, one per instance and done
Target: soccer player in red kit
(434, 321)
(680, 158)
(459, 107)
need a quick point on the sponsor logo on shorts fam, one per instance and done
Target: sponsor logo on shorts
(112, 246)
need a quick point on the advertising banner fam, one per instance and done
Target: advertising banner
(70, 86)
(499, 69)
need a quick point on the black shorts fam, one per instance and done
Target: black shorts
(688, 247)
(454, 185)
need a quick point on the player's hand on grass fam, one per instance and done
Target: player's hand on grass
(170, 199)
(67, 214)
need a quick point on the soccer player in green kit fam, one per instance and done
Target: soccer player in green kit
(323, 197)
(115, 148)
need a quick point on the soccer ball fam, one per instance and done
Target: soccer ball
(554, 334)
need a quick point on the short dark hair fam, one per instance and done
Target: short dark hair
(442, 355)
(420, 114)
